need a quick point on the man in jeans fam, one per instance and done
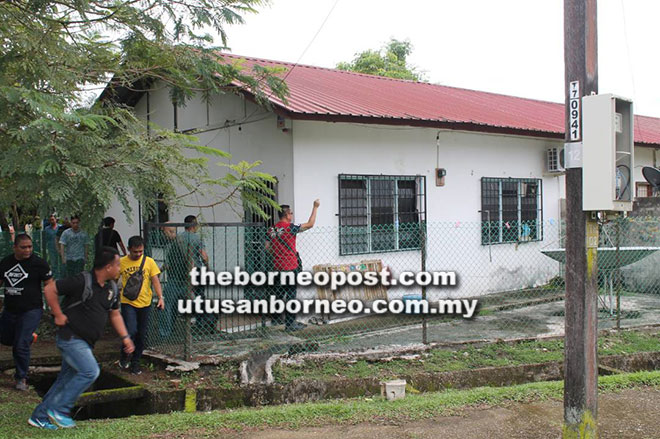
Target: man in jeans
(51, 231)
(22, 274)
(136, 312)
(75, 244)
(80, 324)
(282, 245)
(194, 254)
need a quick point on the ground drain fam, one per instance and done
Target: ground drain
(100, 400)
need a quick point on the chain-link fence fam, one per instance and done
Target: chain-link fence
(44, 245)
(514, 270)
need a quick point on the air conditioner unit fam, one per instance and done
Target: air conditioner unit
(554, 159)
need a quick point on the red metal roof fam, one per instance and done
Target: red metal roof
(328, 94)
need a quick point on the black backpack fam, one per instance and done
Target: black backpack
(133, 284)
(87, 291)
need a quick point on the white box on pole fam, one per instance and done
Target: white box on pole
(608, 153)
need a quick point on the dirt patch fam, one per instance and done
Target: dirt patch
(626, 415)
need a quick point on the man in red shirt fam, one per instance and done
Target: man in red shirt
(282, 245)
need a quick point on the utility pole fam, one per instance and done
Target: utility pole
(580, 351)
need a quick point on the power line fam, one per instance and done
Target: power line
(630, 64)
(318, 31)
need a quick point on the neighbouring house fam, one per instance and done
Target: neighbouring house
(369, 147)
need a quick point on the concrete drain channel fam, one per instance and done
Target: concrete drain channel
(113, 396)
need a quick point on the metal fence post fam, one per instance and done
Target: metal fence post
(422, 227)
(618, 273)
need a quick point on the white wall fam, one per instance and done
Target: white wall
(308, 158)
(127, 223)
(324, 150)
(250, 133)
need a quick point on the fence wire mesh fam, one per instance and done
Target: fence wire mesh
(44, 244)
(517, 278)
(518, 281)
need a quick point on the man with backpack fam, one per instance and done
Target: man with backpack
(282, 245)
(138, 274)
(90, 298)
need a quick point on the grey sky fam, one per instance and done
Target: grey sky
(512, 47)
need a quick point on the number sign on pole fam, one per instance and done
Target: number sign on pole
(574, 105)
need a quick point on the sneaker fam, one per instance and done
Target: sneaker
(60, 420)
(124, 364)
(22, 385)
(135, 370)
(42, 423)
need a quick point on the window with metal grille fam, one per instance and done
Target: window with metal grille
(254, 217)
(511, 210)
(161, 214)
(380, 213)
(643, 190)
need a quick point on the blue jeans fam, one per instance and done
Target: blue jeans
(79, 371)
(16, 330)
(137, 322)
(286, 293)
(167, 318)
(55, 261)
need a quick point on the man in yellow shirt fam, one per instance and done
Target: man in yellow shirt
(136, 312)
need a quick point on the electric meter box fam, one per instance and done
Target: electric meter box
(608, 153)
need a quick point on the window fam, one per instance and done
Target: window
(161, 214)
(251, 216)
(380, 213)
(511, 210)
(644, 190)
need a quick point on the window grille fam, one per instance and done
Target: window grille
(511, 210)
(643, 190)
(380, 213)
(253, 217)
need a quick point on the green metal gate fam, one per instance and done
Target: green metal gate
(177, 251)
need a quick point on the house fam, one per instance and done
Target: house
(369, 148)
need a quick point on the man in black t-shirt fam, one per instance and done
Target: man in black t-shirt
(109, 237)
(81, 322)
(22, 274)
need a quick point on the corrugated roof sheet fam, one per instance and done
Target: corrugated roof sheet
(329, 94)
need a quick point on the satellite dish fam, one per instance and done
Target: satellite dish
(652, 175)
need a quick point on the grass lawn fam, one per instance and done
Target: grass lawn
(468, 357)
(16, 408)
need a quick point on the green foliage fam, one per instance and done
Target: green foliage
(60, 153)
(390, 61)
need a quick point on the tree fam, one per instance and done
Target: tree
(389, 61)
(59, 153)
